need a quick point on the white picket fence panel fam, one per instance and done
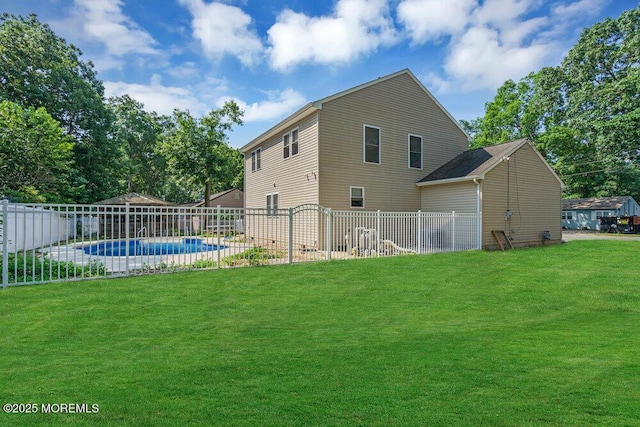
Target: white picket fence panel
(55, 242)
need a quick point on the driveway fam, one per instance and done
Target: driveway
(568, 235)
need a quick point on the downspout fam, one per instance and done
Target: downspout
(478, 213)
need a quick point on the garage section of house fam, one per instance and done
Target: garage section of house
(514, 189)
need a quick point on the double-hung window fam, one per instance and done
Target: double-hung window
(357, 197)
(371, 144)
(272, 204)
(290, 143)
(415, 151)
(255, 159)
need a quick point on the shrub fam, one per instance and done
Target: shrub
(28, 267)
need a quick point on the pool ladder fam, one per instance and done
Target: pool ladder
(140, 232)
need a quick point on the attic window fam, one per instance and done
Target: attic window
(371, 144)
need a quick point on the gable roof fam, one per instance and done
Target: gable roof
(475, 164)
(213, 197)
(314, 106)
(595, 203)
(135, 199)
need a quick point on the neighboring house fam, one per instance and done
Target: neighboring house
(585, 214)
(511, 185)
(232, 198)
(229, 199)
(377, 146)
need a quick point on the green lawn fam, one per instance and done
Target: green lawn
(526, 337)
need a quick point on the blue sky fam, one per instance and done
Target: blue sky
(272, 57)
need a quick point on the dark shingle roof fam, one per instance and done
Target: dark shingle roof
(595, 203)
(474, 163)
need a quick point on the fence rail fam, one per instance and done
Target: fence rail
(54, 242)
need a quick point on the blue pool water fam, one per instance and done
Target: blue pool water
(140, 247)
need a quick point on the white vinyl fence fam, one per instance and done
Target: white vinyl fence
(54, 242)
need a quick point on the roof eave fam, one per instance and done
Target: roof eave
(450, 180)
(305, 111)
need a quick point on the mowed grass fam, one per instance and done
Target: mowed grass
(526, 337)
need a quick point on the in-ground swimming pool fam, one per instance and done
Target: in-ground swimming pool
(142, 247)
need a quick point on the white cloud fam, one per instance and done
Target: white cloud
(481, 60)
(158, 98)
(224, 29)
(103, 21)
(277, 105)
(356, 27)
(494, 40)
(577, 8)
(431, 19)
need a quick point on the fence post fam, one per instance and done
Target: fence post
(127, 237)
(5, 245)
(377, 233)
(419, 230)
(453, 230)
(329, 233)
(218, 228)
(479, 230)
(290, 237)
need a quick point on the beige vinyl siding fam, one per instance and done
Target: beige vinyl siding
(459, 197)
(534, 199)
(398, 106)
(233, 199)
(293, 178)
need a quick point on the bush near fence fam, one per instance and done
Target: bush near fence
(242, 237)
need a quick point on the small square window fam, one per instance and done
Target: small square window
(357, 197)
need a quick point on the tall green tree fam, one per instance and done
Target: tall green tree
(583, 115)
(39, 69)
(512, 114)
(137, 134)
(198, 150)
(36, 157)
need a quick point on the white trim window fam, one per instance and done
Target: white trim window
(356, 195)
(371, 144)
(414, 149)
(602, 214)
(255, 159)
(290, 143)
(569, 215)
(272, 204)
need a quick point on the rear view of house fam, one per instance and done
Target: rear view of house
(388, 145)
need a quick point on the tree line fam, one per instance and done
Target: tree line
(583, 115)
(61, 141)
